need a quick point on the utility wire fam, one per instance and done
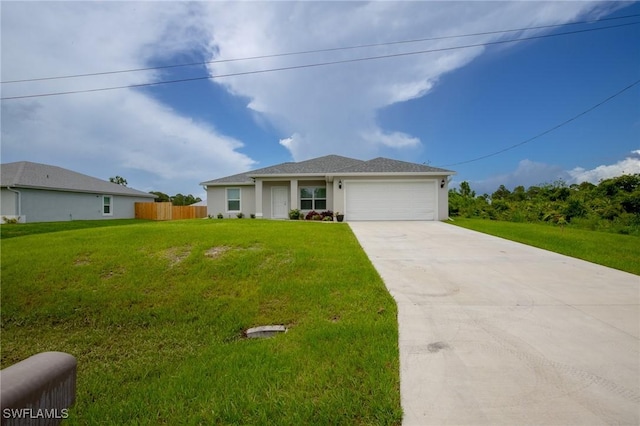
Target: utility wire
(556, 127)
(313, 65)
(304, 52)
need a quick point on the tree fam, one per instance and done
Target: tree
(161, 197)
(118, 180)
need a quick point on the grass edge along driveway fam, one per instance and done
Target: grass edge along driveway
(155, 312)
(604, 248)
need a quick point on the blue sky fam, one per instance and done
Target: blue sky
(442, 108)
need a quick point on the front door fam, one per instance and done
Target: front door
(279, 202)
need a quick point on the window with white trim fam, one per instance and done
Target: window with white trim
(107, 205)
(313, 198)
(233, 199)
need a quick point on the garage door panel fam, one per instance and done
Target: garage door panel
(390, 200)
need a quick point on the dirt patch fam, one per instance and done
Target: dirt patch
(215, 252)
(175, 255)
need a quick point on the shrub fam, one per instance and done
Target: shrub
(220, 216)
(311, 214)
(252, 215)
(294, 214)
(327, 219)
(10, 221)
(240, 215)
(327, 213)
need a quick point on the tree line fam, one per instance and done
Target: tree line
(611, 205)
(161, 197)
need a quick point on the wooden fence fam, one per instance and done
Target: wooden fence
(167, 211)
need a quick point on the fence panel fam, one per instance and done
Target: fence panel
(188, 212)
(166, 211)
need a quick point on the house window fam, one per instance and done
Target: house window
(107, 205)
(313, 198)
(233, 199)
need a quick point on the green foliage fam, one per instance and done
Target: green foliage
(613, 205)
(118, 180)
(240, 215)
(176, 200)
(161, 197)
(184, 200)
(295, 214)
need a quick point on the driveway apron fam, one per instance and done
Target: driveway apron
(497, 332)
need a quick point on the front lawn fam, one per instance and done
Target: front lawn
(614, 250)
(155, 314)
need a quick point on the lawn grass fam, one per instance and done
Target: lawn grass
(614, 250)
(155, 314)
(22, 229)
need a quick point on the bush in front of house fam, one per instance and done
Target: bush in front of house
(327, 213)
(295, 214)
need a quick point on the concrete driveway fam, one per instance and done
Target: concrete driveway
(496, 332)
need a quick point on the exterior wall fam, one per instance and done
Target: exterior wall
(55, 206)
(216, 196)
(8, 204)
(217, 200)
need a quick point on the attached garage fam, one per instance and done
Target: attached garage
(391, 200)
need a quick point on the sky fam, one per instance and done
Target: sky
(495, 112)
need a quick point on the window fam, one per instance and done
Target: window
(313, 198)
(233, 199)
(107, 205)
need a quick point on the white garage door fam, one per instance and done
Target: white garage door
(390, 200)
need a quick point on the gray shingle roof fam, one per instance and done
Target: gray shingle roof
(330, 164)
(24, 174)
(387, 165)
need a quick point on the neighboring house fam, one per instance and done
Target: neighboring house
(378, 189)
(36, 192)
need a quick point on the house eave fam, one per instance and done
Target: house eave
(81, 191)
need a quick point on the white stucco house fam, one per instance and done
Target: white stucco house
(36, 192)
(378, 189)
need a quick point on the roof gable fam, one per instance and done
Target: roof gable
(24, 174)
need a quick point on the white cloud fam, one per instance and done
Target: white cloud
(124, 132)
(630, 165)
(333, 109)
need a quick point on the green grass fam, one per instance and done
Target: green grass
(604, 248)
(156, 324)
(22, 229)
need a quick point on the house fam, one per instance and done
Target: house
(378, 189)
(36, 192)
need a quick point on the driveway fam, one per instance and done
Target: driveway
(496, 332)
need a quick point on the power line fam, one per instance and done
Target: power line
(539, 135)
(313, 65)
(331, 49)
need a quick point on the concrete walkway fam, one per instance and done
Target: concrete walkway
(495, 332)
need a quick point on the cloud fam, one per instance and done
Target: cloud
(630, 165)
(333, 109)
(529, 173)
(125, 132)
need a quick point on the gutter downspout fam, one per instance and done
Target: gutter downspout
(19, 201)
